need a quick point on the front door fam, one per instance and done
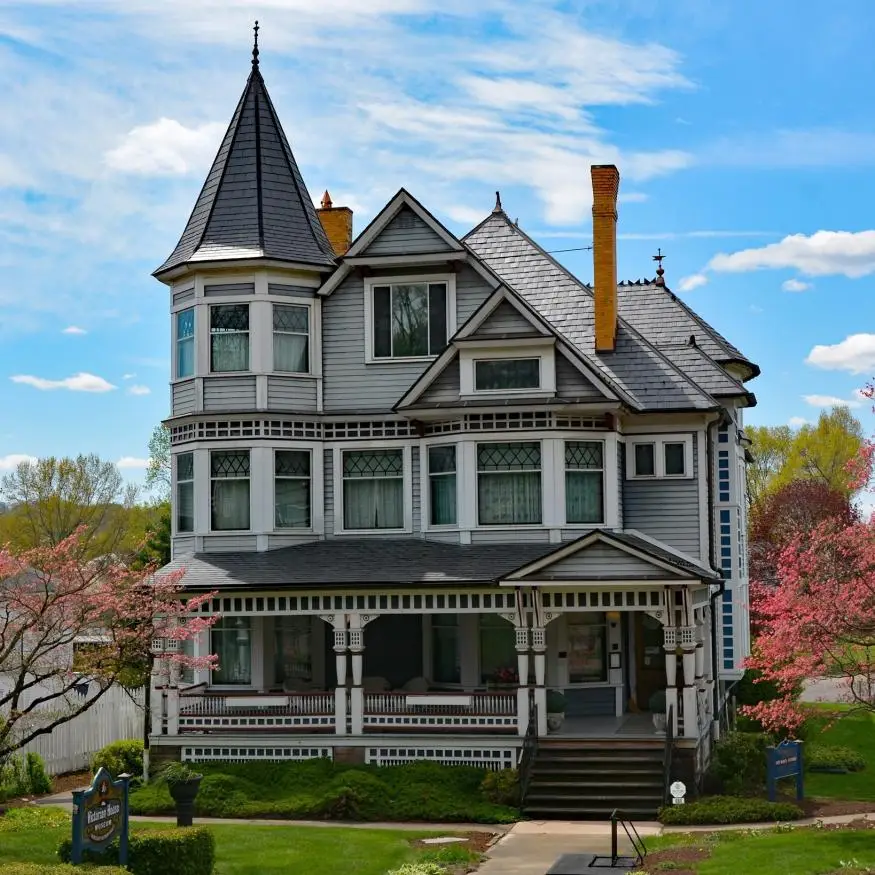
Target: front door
(649, 659)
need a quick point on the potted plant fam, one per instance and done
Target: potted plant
(183, 782)
(555, 709)
(657, 707)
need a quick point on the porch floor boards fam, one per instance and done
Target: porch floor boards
(629, 726)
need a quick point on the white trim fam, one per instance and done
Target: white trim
(253, 457)
(405, 260)
(468, 358)
(659, 443)
(290, 301)
(704, 510)
(317, 484)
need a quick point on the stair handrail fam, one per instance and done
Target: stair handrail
(667, 756)
(529, 751)
(634, 838)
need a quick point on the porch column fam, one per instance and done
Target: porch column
(708, 663)
(159, 679)
(539, 646)
(356, 695)
(522, 693)
(687, 642)
(338, 623)
(669, 637)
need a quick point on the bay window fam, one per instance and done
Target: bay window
(185, 492)
(292, 492)
(509, 483)
(291, 338)
(409, 320)
(373, 489)
(494, 375)
(229, 483)
(185, 343)
(229, 337)
(442, 485)
(231, 641)
(445, 661)
(584, 482)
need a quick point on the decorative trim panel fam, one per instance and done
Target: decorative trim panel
(493, 758)
(245, 754)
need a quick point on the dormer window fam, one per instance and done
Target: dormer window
(502, 375)
(492, 366)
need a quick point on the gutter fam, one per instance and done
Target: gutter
(712, 553)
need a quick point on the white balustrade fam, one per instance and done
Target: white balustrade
(212, 712)
(495, 711)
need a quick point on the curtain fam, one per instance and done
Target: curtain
(373, 503)
(445, 663)
(497, 646)
(290, 353)
(231, 641)
(509, 497)
(229, 352)
(293, 660)
(583, 496)
(185, 357)
(292, 499)
(230, 504)
(443, 499)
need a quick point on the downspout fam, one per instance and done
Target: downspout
(712, 554)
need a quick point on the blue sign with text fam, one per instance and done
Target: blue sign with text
(784, 761)
(100, 814)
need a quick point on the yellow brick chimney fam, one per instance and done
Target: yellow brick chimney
(337, 222)
(605, 185)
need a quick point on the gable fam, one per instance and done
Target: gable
(571, 384)
(406, 233)
(504, 320)
(445, 388)
(600, 561)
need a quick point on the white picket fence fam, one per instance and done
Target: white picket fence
(69, 747)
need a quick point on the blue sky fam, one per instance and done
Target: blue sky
(744, 133)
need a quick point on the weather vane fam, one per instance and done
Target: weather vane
(255, 46)
(659, 269)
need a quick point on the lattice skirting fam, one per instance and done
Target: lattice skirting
(494, 758)
(244, 754)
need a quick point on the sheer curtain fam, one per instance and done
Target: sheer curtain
(231, 641)
(230, 352)
(292, 497)
(373, 504)
(290, 353)
(509, 498)
(442, 484)
(583, 496)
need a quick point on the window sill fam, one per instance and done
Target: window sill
(500, 393)
(174, 380)
(230, 374)
(400, 360)
(304, 374)
(230, 532)
(373, 532)
(289, 530)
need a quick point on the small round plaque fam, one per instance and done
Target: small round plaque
(678, 790)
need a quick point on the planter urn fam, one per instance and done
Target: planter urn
(183, 794)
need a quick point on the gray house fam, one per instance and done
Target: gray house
(433, 479)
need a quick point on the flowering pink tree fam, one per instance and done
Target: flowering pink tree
(49, 598)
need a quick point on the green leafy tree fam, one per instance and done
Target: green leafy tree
(158, 473)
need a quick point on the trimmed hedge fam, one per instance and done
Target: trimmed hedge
(821, 757)
(729, 809)
(190, 851)
(502, 788)
(120, 757)
(62, 869)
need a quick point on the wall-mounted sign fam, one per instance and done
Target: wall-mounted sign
(100, 814)
(784, 761)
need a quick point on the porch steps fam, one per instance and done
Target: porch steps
(586, 780)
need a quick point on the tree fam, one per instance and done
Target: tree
(156, 549)
(770, 448)
(158, 473)
(50, 596)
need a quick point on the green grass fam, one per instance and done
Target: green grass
(856, 731)
(265, 850)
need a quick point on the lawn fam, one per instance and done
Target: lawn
(261, 850)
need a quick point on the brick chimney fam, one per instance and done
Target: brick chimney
(337, 222)
(605, 184)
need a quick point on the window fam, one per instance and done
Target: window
(587, 647)
(492, 375)
(645, 460)
(291, 338)
(508, 484)
(373, 489)
(584, 482)
(229, 474)
(185, 492)
(229, 337)
(675, 462)
(445, 663)
(497, 650)
(231, 641)
(292, 661)
(661, 457)
(409, 320)
(442, 485)
(185, 343)
(292, 489)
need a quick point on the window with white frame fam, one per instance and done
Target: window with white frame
(373, 489)
(185, 343)
(445, 662)
(229, 338)
(231, 641)
(584, 482)
(409, 320)
(293, 653)
(185, 492)
(668, 457)
(291, 338)
(229, 483)
(509, 483)
(675, 459)
(292, 490)
(442, 485)
(507, 374)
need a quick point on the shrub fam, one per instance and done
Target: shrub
(24, 776)
(738, 764)
(419, 869)
(729, 809)
(190, 851)
(178, 773)
(555, 702)
(120, 757)
(62, 869)
(817, 756)
(38, 780)
(502, 788)
(23, 819)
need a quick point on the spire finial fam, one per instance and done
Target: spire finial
(498, 207)
(660, 281)
(326, 200)
(255, 45)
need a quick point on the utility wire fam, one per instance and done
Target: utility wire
(575, 249)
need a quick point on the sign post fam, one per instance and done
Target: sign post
(100, 814)
(784, 761)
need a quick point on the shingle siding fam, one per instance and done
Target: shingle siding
(287, 289)
(406, 234)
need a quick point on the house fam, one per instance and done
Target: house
(432, 478)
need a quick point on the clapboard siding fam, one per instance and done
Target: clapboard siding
(276, 542)
(471, 292)
(229, 393)
(229, 543)
(406, 234)
(182, 547)
(505, 319)
(328, 477)
(443, 537)
(291, 393)
(288, 289)
(667, 510)
(445, 388)
(509, 536)
(225, 290)
(599, 561)
(184, 397)
(571, 383)
(183, 296)
(592, 702)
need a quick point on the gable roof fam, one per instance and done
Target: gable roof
(254, 203)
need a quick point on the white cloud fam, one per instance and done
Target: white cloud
(13, 460)
(139, 390)
(132, 462)
(795, 285)
(128, 376)
(829, 401)
(166, 147)
(797, 421)
(632, 197)
(756, 309)
(465, 215)
(74, 329)
(81, 382)
(855, 354)
(849, 253)
(695, 281)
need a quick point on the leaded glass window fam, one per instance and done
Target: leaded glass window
(229, 337)
(373, 489)
(185, 492)
(185, 343)
(442, 485)
(509, 483)
(292, 495)
(229, 481)
(409, 319)
(291, 338)
(492, 375)
(584, 482)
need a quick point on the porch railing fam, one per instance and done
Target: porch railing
(216, 712)
(400, 710)
(667, 756)
(530, 750)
